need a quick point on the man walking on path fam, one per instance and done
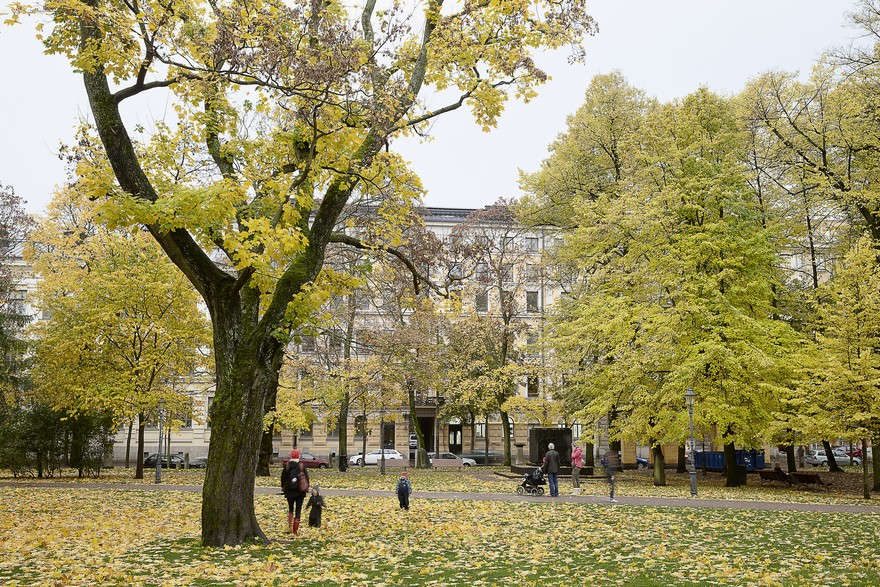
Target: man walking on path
(577, 462)
(611, 462)
(551, 467)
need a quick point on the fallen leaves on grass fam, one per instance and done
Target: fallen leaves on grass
(66, 537)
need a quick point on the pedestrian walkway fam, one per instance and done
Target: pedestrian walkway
(682, 502)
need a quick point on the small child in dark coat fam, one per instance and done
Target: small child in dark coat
(316, 503)
(404, 488)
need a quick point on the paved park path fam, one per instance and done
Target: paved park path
(586, 499)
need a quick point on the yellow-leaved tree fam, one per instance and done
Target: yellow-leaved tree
(124, 324)
(284, 110)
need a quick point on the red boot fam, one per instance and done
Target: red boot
(295, 526)
(289, 522)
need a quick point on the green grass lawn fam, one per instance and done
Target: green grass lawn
(60, 536)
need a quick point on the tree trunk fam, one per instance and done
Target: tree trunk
(615, 446)
(589, 458)
(422, 461)
(681, 466)
(505, 429)
(875, 462)
(128, 444)
(730, 467)
(866, 476)
(243, 384)
(833, 467)
(139, 467)
(659, 466)
(486, 439)
(266, 442)
(790, 458)
(342, 430)
(364, 439)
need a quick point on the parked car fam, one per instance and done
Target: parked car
(464, 461)
(817, 458)
(641, 463)
(479, 456)
(176, 461)
(310, 461)
(198, 463)
(374, 456)
(313, 462)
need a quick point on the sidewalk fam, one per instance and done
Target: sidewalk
(623, 500)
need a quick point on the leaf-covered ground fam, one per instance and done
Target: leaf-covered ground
(61, 536)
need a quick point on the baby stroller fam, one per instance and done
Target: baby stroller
(532, 483)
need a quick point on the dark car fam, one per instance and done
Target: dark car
(176, 461)
(641, 463)
(198, 463)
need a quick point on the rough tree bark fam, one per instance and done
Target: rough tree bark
(659, 465)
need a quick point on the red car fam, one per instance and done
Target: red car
(310, 461)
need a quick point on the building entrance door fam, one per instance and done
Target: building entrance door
(455, 444)
(388, 435)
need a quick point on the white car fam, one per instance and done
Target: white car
(374, 456)
(465, 462)
(817, 458)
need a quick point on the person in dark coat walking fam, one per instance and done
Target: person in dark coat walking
(551, 467)
(295, 484)
(611, 462)
(316, 507)
(404, 488)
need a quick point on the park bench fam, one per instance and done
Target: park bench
(775, 475)
(808, 478)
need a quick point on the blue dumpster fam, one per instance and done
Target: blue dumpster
(752, 460)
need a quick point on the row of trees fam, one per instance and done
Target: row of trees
(118, 329)
(724, 244)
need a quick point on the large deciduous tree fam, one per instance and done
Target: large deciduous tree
(244, 192)
(677, 290)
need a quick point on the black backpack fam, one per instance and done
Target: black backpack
(289, 477)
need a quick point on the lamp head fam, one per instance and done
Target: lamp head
(690, 396)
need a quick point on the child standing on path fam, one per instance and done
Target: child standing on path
(404, 488)
(316, 503)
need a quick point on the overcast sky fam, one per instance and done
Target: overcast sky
(666, 48)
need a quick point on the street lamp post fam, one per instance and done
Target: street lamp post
(689, 397)
(159, 453)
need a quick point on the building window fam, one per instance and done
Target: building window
(308, 432)
(482, 271)
(577, 430)
(480, 430)
(333, 433)
(360, 428)
(307, 345)
(208, 413)
(532, 304)
(532, 386)
(507, 272)
(481, 301)
(361, 302)
(532, 244)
